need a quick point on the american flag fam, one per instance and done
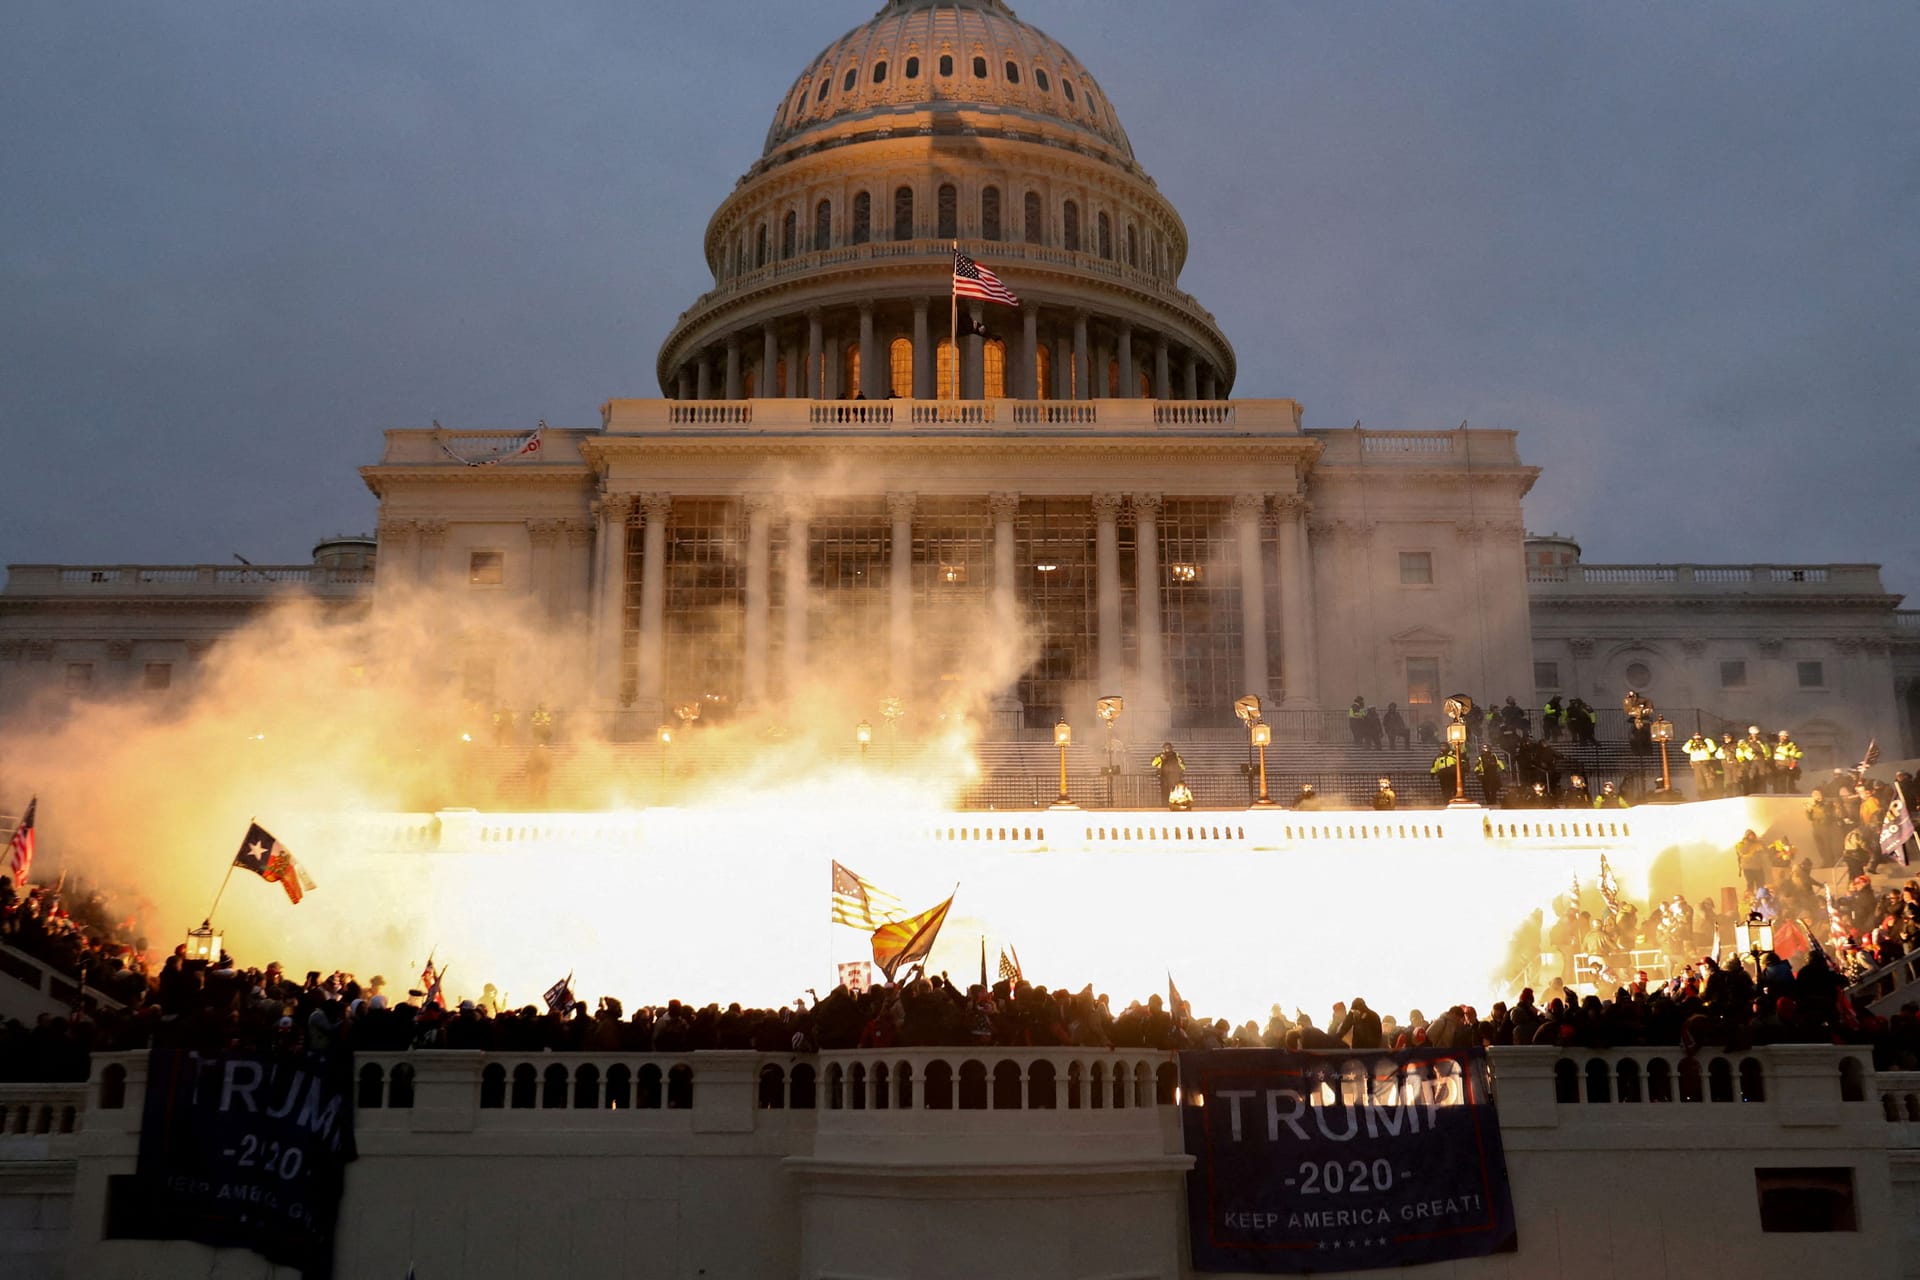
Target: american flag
(859, 903)
(559, 996)
(971, 280)
(1009, 969)
(430, 979)
(20, 848)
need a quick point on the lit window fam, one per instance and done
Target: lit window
(79, 676)
(1184, 571)
(1416, 568)
(851, 370)
(1733, 675)
(946, 389)
(1813, 675)
(1423, 681)
(486, 568)
(1013, 74)
(1546, 675)
(900, 362)
(1043, 360)
(953, 573)
(159, 675)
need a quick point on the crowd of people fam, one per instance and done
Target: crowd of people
(1709, 996)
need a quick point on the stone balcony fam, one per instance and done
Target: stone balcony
(1716, 579)
(952, 417)
(105, 581)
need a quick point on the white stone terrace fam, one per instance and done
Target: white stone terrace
(105, 581)
(1719, 579)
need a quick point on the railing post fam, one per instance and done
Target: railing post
(725, 1091)
(446, 1089)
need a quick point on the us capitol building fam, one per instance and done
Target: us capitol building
(826, 472)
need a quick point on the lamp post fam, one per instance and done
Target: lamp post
(1262, 735)
(1063, 738)
(1109, 709)
(665, 735)
(863, 734)
(1247, 710)
(1755, 937)
(1663, 734)
(1457, 707)
(204, 943)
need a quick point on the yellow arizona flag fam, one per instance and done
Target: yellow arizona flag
(900, 942)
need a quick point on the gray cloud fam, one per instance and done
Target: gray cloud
(1674, 246)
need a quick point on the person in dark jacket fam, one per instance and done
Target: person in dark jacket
(1361, 1027)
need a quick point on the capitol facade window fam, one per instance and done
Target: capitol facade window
(1416, 568)
(1733, 675)
(903, 213)
(990, 214)
(159, 675)
(1813, 675)
(948, 211)
(1423, 681)
(486, 568)
(1033, 218)
(862, 218)
(1070, 217)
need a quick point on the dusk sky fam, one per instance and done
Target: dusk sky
(1675, 246)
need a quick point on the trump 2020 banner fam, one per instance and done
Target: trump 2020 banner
(1308, 1162)
(246, 1150)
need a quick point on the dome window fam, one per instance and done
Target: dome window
(822, 95)
(1032, 212)
(913, 68)
(990, 213)
(823, 226)
(1066, 87)
(789, 234)
(1040, 78)
(879, 73)
(1013, 73)
(862, 218)
(853, 74)
(903, 213)
(946, 64)
(1070, 217)
(1105, 225)
(979, 68)
(948, 226)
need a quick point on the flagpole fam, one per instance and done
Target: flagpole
(251, 824)
(953, 324)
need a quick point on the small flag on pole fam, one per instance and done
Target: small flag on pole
(20, 848)
(1872, 757)
(859, 903)
(1609, 888)
(273, 862)
(1010, 968)
(971, 280)
(430, 984)
(1175, 1005)
(559, 996)
(901, 942)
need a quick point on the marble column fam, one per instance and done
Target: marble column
(871, 385)
(1191, 376)
(1029, 353)
(768, 385)
(1106, 566)
(1162, 382)
(683, 384)
(795, 653)
(816, 353)
(754, 631)
(900, 590)
(925, 357)
(652, 648)
(1296, 608)
(1063, 388)
(610, 582)
(733, 366)
(1082, 371)
(703, 378)
(1207, 383)
(973, 384)
(1247, 508)
(796, 372)
(831, 368)
(1146, 599)
(1123, 351)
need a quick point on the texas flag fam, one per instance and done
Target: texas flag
(272, 861)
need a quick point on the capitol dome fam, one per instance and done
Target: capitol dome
(936, 123)
(917, 54)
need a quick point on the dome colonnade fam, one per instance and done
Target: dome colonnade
(931, 124)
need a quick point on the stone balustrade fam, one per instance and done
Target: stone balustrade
(1731, 579)
(1024, 417)
(81, 581)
